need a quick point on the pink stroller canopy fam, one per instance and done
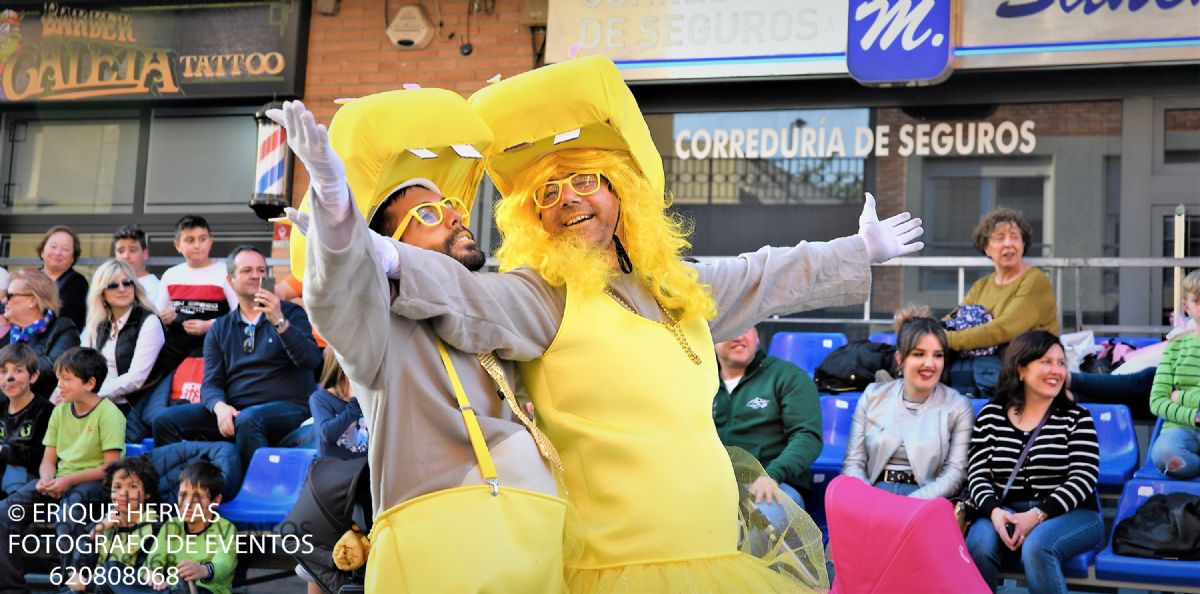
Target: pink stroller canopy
(884, 543)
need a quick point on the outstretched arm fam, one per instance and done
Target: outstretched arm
(809, 275)
(516, 314)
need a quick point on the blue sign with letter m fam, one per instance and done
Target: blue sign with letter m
(906, 42)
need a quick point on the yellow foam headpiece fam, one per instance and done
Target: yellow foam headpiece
(581, 103)
(394, 137)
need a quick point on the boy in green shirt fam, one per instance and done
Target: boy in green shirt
(1175, 396)
(85, 435)
(198, 546)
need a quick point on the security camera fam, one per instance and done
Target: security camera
(411, 28)
(466, 49)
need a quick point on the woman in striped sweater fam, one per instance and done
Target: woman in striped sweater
(1049, 512)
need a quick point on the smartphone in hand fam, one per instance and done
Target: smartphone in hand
(1010, 528)
(268, 284)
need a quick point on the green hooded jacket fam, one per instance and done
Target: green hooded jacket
(775, 414)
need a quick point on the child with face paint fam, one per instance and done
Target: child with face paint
(23, 419)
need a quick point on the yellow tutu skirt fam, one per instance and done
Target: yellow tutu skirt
(782, 557)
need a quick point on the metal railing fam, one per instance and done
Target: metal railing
(1057, 266)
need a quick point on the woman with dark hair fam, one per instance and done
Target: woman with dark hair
(32, 307)
(1033, 469)
(59, 249)
(910, 435)
(1018, 298)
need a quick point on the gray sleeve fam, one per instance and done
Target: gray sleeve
(346, 295)
(775, 281)
(855, 462)
(953, 473)
(516, 314)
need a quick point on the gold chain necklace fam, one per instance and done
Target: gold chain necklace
(673, 327)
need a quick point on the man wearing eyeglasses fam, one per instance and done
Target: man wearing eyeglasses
(258, 368)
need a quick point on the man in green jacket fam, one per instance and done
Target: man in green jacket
(770, 408)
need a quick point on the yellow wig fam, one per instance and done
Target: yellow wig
(654, 238)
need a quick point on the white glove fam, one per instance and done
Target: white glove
(890, 238)
(310, 143)
(385, 250)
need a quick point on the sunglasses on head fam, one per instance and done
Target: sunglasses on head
(125, 283)
(431, 214)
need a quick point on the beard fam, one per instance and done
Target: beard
(469, 255)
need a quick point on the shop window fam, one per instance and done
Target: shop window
(1181, 136)
(70, 166)
(958, 194)
(200, 164)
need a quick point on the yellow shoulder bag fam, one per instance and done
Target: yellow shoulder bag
(478, 538)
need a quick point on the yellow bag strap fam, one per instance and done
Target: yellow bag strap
(486, 467)
(492, 366)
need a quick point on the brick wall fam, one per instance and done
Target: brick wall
(350, 56)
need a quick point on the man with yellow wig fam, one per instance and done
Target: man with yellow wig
(613, 331)
(399, 151)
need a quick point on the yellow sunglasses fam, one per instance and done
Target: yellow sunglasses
(431, 214)
(584, 183)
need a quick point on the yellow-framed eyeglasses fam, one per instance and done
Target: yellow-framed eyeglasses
(431, 214)
(583, 183)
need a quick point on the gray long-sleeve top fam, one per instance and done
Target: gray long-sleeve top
(517, 314)
(418, 440)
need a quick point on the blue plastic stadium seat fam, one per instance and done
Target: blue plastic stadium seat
(805, 349)
(837, 416)
(1118, 445)
(137, 449)
(1110, 566)
(883, 338)
(977, 403)
(270, 489)
(1149, 471)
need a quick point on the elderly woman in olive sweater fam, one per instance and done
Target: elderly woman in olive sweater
(1018, 296)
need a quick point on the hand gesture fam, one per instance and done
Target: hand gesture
(225, 415)
(192, 571)
(1001, 517)
(889, 238)
(764, 488)
(197, 327)
(268, 303)
(310, 142)
(1024, 523)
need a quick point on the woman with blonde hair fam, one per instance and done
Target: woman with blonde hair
(122, 324)
(31, 308)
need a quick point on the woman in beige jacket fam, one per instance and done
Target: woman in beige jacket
(910, 435)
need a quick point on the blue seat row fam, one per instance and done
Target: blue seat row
(805, 349)
(270, 489)
(1110, 566)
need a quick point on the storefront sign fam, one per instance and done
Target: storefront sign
(655, 39)
(899, 41)
(59, 52)
(1015, 33)
(940, 139)
(889, 41)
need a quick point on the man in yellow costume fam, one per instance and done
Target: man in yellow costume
(613, 331)
(399, 151)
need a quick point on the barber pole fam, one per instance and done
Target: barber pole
(273, 171)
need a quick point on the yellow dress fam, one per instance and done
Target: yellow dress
(631, 416)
